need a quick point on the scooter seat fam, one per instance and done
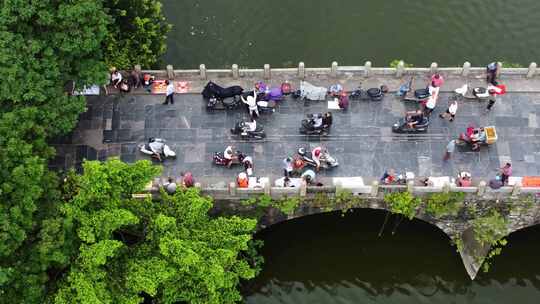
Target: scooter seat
(374, 92)
(421, 93)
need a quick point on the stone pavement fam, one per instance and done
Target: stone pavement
(361, 138)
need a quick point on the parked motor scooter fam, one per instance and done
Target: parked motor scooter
(479, 93)
(157, 146)
(316, 124)
(240, 129)
(220, 160)
(327, 161)
(373, 94)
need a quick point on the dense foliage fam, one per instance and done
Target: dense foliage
(57, 237)
(137, 33)
(38, 57)
(103, 246)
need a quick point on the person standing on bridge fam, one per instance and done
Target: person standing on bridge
(169, 93)
(251, 101)
(449, 149)
(506, 172)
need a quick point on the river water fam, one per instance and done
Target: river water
(283, 32)
(328, 258)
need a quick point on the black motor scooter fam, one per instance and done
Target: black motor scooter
(373, 94)
(402, 126)
(308, 125)
(240, 129)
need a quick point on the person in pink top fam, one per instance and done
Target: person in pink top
(316, 156)
(437, 80)
(506, 172)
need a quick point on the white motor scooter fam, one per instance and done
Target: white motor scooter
(157, 146)
(478, 93)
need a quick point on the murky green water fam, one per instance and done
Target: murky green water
(332, 259)
(281, 33)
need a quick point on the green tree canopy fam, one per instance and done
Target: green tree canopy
(170, 250)
(46, 43)
(137, 34)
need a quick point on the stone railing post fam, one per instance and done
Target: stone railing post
(446, 188)
(339, 187)
(481, 188)
(433, 68)
(137, 68)
(516, 189)
(232, 189)
(367, 68)
(410, 186)
(267, 71)
(374, 188)
(532, 70)
(333, 69)
(267, 188)
(170, 71)
(499, 68)
(235, 71)
(466, 69)
(303, 188)
(400, 69)
(202, 71)
(301, 70)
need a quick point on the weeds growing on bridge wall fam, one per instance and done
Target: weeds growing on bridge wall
(286, 205)
(344, 200)
(403, 203)
(444, 204)
(490, 230)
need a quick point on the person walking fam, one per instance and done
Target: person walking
(169, 93)
(437, 80)
(451, 111)
(506, 172)
(491, 102)
(449, 149)
(430, 106)
(491, 73)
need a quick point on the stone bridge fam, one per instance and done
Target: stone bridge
(361, 138)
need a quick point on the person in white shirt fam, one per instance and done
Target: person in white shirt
(229, 155)
(451, 111)
(116, 78)
(287, 166)
(252, 104)
(157, 147)
(169, 94)
(250, 126)
(248, 165)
